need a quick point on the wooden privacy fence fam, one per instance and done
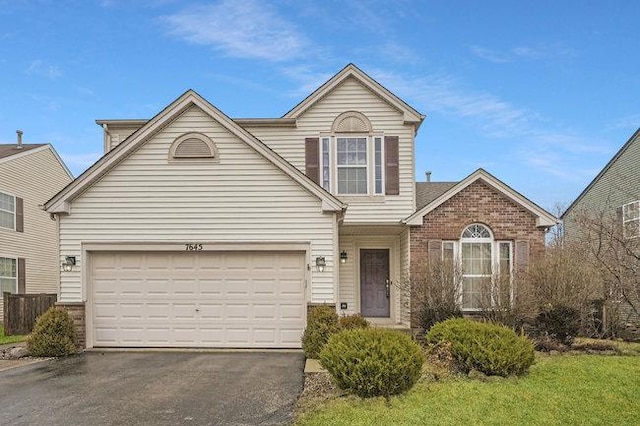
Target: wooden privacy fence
(21, 311)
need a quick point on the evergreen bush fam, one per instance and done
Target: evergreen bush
(492, 349)
(53, 334)
(373, 361)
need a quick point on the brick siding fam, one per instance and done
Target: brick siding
(477, 203)
(77, 313)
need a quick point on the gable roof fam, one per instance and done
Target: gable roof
(633, 139)
(60, 202)
(10, 152)
(426, 192)
(352, 71)
(544, 218)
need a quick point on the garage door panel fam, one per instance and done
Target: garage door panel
(233, 299)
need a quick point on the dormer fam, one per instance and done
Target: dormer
(116, 131)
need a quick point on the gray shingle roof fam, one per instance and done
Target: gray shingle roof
(426, 192)
(7, 150)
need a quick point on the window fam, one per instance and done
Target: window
(352, 165)
(8, 275)
(7, 211)
(326, 164)
(631, 219)
(485, 265)
(357, 167)
(377, 146)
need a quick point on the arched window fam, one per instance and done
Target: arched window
(476, 247)
(352, 157)
(193, 146)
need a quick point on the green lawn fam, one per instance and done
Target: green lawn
(9, 339)
(564, 389)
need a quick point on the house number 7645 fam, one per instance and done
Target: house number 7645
(193, 247)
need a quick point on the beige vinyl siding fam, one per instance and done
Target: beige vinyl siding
(620, 184)
(349, 291)
(117, 134)
(348, 277)
(351, 95)
(241, 199)
(35, 177)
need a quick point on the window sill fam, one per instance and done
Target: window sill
(359, 198)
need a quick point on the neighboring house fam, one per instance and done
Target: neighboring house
(196, 229)
(30, 174)
(614, 192)
(612, 198)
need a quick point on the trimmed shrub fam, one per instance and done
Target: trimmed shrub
(373, 361)
(53, 334)
(322, 322)
(561, 323)
(490, 348)
(351, 322)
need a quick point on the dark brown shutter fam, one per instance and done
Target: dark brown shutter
(19, 214)
(312, 158)
(522, 255)
(392, 179)
(22, 276)
(435, 250)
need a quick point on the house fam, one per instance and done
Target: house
(199, 230)
(615, 191)
(612, 202)
(30, 174)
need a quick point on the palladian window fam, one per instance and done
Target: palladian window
(485, 268)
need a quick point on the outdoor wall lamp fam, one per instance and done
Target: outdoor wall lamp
(343, 257)
(68, 263)
(320, 263)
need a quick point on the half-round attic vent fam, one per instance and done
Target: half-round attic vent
(193, 146)
(351, 122)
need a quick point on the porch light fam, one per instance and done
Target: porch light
(320, 263)
(343, 257)
(68, 263)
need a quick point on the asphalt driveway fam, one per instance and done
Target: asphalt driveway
(154, 388)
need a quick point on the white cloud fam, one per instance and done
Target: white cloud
(629, 121)
(529, 138)
(245, 29)
(532, 53)
(494, 116)
(308, 80)
(490, 55)
(41, 68)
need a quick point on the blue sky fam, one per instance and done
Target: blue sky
(539, 93)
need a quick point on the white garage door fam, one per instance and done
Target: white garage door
(198, 299)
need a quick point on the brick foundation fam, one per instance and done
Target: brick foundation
(77, 312)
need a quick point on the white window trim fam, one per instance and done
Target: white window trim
(635, 219)
(495, 265)
(13, 228)
(14, 278)
(370, 163)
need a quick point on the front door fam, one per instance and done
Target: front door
(374, 283)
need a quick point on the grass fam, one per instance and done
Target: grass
(564, 389)
(9, 339)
